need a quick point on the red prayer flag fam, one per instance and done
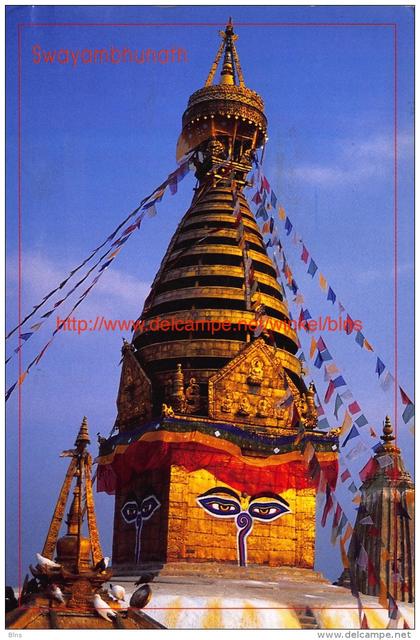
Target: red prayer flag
(404, 397)
(328, 505)
(354, 408)
(305, 254)
(345, 475)
(364, 624)
(368, 470)
(329, 392)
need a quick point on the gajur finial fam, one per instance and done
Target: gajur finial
(231, 68)
(83, 435)
(388, 431)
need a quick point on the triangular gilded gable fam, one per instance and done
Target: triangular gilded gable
(254, 389)
(134, 400)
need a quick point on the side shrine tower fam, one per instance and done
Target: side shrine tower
(206, 463)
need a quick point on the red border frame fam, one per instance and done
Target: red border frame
(23, 25)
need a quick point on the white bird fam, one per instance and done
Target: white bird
(103, 608)
(118, 592)
(57, 593)
(46, 562)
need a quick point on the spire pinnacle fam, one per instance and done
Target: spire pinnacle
(388, 436)
(231, 73)
(83, 435)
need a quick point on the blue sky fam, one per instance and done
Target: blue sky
(97, 139)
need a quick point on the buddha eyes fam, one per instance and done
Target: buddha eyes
(267, 510)
(219, 506)
(261, 509)
(129, 512)
(148, 506)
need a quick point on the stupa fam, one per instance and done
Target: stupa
(213, 412)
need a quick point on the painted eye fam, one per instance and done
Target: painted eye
(217, 506)
(129, 511)
(267, 510)
(149, 506)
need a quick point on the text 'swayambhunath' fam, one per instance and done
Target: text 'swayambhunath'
(222, 464)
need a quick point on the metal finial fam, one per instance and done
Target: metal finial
(83, 435)
(388, 431)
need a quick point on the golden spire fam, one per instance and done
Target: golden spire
(79, 470)
(231, 68)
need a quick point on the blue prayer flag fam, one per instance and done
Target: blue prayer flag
(273, 199)
(312, 269)
(323, 424)
(361, 421)
(353, 433)
(380, 367)
(408, 412)
(262, 213)
(331, 295)
(339, 382)
(288, 226)
(318, 361)
(360, 338)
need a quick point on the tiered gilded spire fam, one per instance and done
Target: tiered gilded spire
(202, 283)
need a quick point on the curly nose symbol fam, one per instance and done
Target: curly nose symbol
(244, 523)
(139, 526)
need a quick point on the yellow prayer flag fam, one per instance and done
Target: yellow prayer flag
(114, 253)
(22, 377)
(344, 557)
(347, 533)
(347, 422)
(322, 282)
(265, 228)
(357, 499)
(313, 348)
(367, 345)
(282, 214)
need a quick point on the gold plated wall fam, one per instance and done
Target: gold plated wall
(195, 535)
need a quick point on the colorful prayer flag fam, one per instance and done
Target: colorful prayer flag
(387, 381)
(305, 255)
(408, 413)
(356, 451)
(361, 421)
(288, 226)
(345, 475)
(347, 422)
(339, 382)
(380, 367)
(329, 392)
(331, 295)
(367, 346)
(354, 408)
(360, 339)
(312, 269)
(368, 470)
(404, 397)
(352, 434)
(282, 214)
(322, 282)
(318, 361)
(338, 404)
(273, 199)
